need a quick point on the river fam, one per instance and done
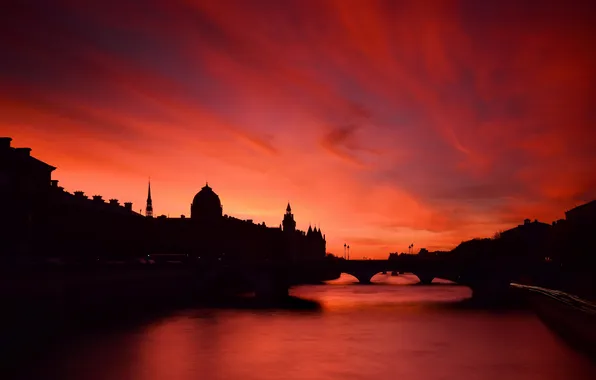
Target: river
(392, 329)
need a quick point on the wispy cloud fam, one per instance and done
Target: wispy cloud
(384, 121)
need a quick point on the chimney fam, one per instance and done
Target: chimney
(24, 151)
(80, 194)
(98, 198)
(5, 142)
(54, 183)
(114, 202)
(182, 216)
(128, 206)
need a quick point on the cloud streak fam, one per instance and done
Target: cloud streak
(387, 122)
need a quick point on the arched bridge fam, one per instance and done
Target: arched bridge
(491, 279)
(364, 270)
(272, 279)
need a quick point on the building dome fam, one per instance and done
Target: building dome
(206, 205)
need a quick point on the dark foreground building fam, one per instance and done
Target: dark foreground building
(40, 219)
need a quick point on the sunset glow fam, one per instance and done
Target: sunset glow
(382, 122)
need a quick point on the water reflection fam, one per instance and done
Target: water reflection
(389, 329)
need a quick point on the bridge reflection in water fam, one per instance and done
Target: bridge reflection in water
(387, 278)
(385, 330)
(489, 281)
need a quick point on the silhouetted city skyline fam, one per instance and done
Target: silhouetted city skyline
(207, 206)
(297, 189)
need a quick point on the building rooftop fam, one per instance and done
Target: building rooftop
(585, 206)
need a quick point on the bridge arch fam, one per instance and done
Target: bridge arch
(365, 276)
(361, 278)
(341, 279)
(425, 277)
(487, 280)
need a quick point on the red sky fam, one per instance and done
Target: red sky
(386, 122)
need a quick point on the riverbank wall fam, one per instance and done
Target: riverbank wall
(571, 317)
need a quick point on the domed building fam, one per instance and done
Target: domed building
(210, 235)
(206, 205)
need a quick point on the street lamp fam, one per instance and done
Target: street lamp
(348, 252)
(344, 250)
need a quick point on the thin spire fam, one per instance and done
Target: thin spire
(149, 207)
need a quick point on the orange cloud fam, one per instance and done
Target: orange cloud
(386, 122)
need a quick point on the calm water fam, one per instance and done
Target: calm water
(392, 329)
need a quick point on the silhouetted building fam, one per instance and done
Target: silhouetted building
(531, 233)
(574, 239)
(40, 217)
(528, 240)
(289, 224)
(209, 235)
(582, 214)
(25, 184)
(206, 206)
(85, 229)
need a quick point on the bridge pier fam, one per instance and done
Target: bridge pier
(363, 276)
(364, 279)
(425, 278)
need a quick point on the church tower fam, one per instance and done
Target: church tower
(149, 207)
(289, 224)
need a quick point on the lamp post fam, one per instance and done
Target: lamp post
(344, 250)
(348, 252)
